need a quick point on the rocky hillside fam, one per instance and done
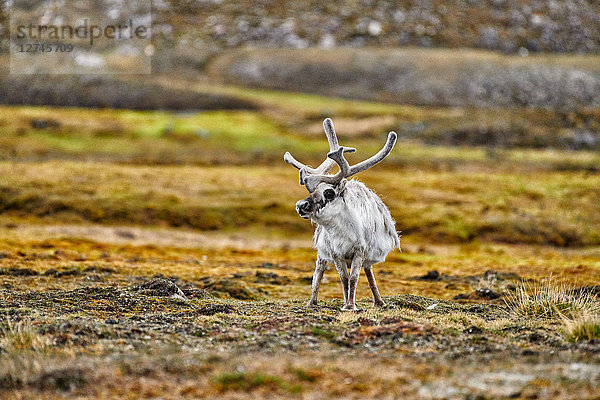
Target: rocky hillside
(434, 77)
(510, 26)
(506, 25)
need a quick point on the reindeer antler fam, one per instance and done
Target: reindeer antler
(326, 165)
(371, 161)
(312, 181)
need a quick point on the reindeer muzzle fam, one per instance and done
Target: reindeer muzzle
(304, 207)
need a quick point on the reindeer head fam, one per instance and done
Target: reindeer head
(326, 190)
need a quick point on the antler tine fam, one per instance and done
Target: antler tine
(338, 157)
(312, 181)
(332, 139)
(305, 170)
(288, 158)
(326, 165)
(368, 163)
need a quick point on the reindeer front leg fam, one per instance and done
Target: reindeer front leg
(357, 264)
(316, 281)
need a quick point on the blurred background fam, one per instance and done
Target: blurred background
(497, 103)
(149, 243)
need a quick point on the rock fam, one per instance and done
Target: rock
(59, 274)
(43, 123)
(489, 37)
(473, 330)
(125, 234)
(211, 309)
(375, 28)
(160, 287)
(592, 290)
(99, 269)
(491, 275)
(271, 277)
(461, 296)
(432, 275)
(367, 322)
(61, 379)
(486, 293)
(535, 337)
(306, 279)
(18, 271)
(233, 287)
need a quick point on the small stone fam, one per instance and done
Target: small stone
(375, 28)
(487, 293)
(432, 275)
(211, 309)
(160, 287)
(18, 271)
(473, 330)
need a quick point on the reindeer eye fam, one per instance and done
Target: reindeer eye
(329, 194)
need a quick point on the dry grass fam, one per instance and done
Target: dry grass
(18, 337)
(552, 300)
(583, 327)
(560, 208)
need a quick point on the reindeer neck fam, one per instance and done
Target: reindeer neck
(339, 222)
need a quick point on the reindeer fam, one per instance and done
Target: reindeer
(354, 228)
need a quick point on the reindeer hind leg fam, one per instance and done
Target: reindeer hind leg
(377, 300)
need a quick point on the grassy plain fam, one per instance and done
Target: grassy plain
(158, 254)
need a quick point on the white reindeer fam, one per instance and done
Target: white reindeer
(354, 228)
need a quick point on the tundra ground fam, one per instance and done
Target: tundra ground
(158, 255)
(88, 319)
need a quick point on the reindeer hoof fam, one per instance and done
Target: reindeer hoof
(379, 304)
(311, 304)
(350, 308)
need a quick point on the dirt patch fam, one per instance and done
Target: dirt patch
(388, 328)
(138, 236)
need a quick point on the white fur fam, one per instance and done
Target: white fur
(357, 220)
(354, 227)
(354, 230)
